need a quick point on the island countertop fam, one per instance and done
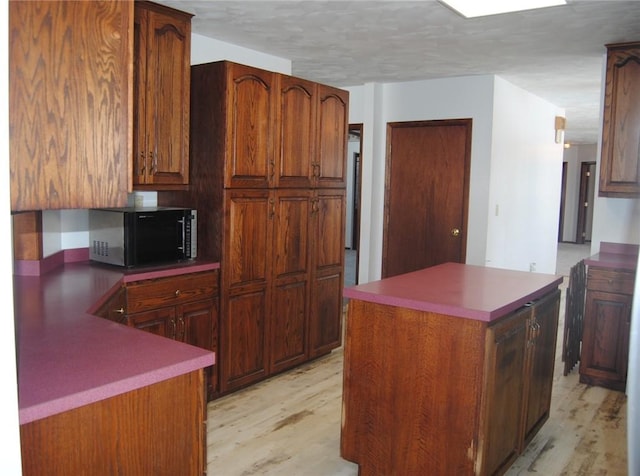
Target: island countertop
(68, 358)
(467, 291)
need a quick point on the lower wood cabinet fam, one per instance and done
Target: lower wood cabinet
(183, 308)
(158, 429)
(606, 327)
(428, 393)
(281, 282)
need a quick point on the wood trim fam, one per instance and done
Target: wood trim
(27, 236)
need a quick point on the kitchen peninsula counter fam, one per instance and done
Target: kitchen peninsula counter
(68, 358)
(447, 370)
(95, 396)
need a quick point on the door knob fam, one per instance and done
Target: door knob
(455, 231)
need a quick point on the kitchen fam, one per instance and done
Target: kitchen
(373, 94)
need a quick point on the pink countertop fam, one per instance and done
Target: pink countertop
(460, 290)
(68, 358)
(615, 256)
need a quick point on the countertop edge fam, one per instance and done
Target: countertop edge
(467, 312)
(112, 389)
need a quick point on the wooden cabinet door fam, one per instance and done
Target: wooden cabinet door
(297, 133)
(605, 339)
(504, 386)
(69, 90)
(247, 241)
(195, 323)
(251, 117)
(162, 127)
(161, 322)
(291, 271)
(542, 335)
(330, 167)
(246, 270)
(243, 343)
(620, 162)
(327, 260)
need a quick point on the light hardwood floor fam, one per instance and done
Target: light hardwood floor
(290, 425)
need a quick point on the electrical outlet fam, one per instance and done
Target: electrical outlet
(532, 266)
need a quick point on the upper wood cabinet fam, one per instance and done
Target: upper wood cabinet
(279, 131)
(70, 89)
(162, 53)
(297, 160)
(249, 122)
(620, 158)
(332, 130)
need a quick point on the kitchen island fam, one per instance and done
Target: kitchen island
(447, 370)
(97, 397)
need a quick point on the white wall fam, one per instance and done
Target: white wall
(206, 50)
(512, 130)
(525, 182)
(10, 459)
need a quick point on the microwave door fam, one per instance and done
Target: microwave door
(158, 237)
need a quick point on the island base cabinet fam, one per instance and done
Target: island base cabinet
(429, 393)
(158, 429)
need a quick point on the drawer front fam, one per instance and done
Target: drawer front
(613, 281)
(174, 290)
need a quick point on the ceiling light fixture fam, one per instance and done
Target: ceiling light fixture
(475, 8)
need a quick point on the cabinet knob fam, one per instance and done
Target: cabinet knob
(455, 232)
(177, 292)
(119, 311)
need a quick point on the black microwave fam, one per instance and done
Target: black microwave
(148, 236)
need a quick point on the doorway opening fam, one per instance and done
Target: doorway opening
(354, 187)
(585, 202)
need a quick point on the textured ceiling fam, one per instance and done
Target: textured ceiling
(555, 53)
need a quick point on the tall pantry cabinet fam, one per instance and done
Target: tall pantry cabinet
(268, 164)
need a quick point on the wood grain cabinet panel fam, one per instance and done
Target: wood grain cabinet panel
(70, 87)
(162, 53)
(620, 158)
(158, 429)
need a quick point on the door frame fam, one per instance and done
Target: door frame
(357, 128)
(563, 196)
(583, 200)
